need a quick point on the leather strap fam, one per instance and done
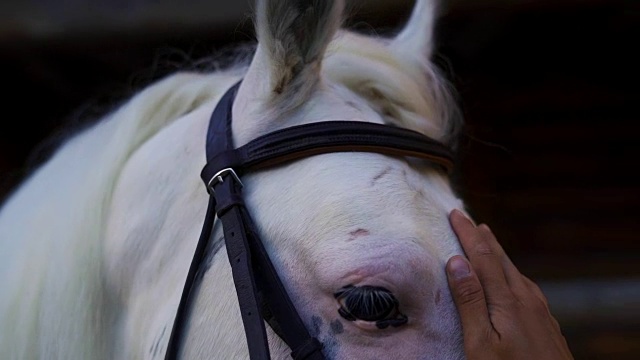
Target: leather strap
(283, 316)
(267, 295)
(219, 134)
(185, 299)
(328, 137)
(230, 211)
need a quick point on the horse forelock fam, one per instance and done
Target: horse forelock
(410, 93)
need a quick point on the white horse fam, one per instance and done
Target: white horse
(95, 245)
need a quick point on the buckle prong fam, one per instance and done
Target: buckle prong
(219, 178)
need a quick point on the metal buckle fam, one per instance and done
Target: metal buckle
(219, 178)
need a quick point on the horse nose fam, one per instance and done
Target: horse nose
(371, 304)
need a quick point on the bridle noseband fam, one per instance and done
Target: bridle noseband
(260, 292)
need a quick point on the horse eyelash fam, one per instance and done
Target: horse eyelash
(367, 298)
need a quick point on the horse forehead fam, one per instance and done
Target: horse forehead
(332, 101)
(334, 194)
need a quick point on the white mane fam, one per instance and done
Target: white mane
(51, 229)
(54, 301)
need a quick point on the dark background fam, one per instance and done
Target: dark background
(548, 156)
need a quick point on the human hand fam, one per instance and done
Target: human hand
(504, 315)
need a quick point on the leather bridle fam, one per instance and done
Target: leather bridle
(260, 292)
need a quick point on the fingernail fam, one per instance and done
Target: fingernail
(459, 268)
(459, 213)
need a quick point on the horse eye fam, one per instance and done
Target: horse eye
(370, 303)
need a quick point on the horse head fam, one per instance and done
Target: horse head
(97, 242)
(359, 239)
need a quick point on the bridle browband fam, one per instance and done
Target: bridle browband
(261, 294)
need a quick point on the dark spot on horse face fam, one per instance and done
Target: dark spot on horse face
(316, 322)
(357, 233)
(388, 112)
(438, 294)
(376, 94)
(380, 175)
(399, 321)
(413, 185)
(336, 327)
(353, 105)
(330, 347)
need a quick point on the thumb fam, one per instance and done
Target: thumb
(468, 296)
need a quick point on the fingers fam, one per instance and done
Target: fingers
(469, 298)
(514, 278)
(511, 273)
(537, 293)
(495, 299)
(485, 255)
(535, 289)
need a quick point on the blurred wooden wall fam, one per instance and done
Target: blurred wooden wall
(548, 155)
